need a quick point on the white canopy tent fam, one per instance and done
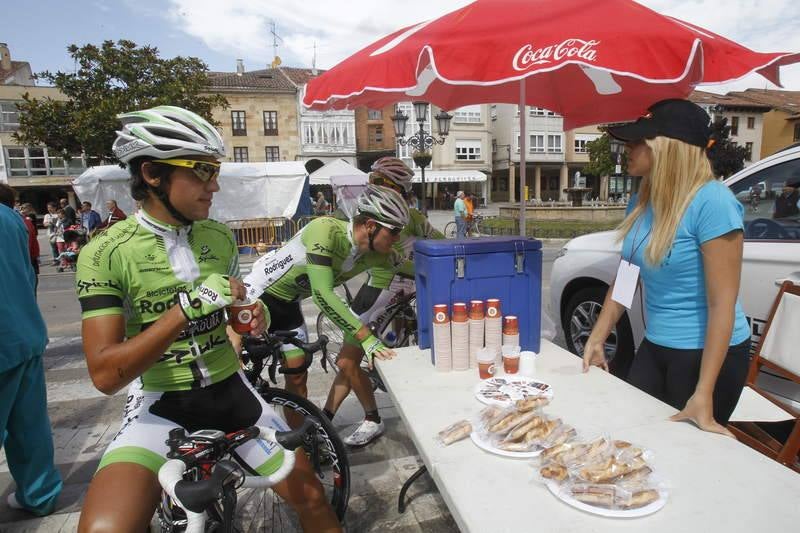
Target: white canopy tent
(347, 189)
(335, 168)
(247, 190)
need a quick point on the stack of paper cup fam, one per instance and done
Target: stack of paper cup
(475, 331)
(460, 336)
(510, 330)
(494, 325)
(441, 338)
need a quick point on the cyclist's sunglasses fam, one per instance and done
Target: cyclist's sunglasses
(383, 182)
(204, 170)
(394, 230)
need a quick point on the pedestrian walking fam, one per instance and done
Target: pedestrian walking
(50, 221)
(24, 424)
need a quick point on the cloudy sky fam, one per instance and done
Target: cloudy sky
(220, 31)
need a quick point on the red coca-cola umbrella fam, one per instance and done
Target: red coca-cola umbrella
(592, 62)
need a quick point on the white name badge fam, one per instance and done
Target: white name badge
(625, 284)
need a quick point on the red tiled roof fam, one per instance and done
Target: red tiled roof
(299, 76)
(788, 101)
(267, 79)
(725, 100)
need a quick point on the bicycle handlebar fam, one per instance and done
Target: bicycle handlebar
(194, 497)
(259, 349)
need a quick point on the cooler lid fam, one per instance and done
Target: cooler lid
(480, 245)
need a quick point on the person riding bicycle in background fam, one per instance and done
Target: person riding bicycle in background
(323, 255)
(384, 288)
(153, 290)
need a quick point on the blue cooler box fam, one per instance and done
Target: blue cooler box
(508, 268)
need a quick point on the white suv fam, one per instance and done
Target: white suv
(587, 265)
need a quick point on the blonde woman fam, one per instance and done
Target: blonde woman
(682, 238)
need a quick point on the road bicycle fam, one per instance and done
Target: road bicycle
(473, 227)
(321, 444)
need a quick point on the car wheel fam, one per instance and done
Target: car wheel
(580, 316)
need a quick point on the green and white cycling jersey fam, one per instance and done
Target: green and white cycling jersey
(320, 257)
(137, 268)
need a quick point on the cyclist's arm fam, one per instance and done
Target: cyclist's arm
(114, 362)
(320, 275)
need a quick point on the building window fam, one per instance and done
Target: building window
(749, 148)
(35, 161)
(537, 143)
(493, 111)
(494, 146)
(734, 125)
(9, 116)
(270, 122)
(376, 135)
(796, 132)
(468, 150)
(540, 112)
(751, 123)
(554, 144)
(273, 153)
(374, 114)
(240, 154)
(581, 140)
(238, 123)
(470, 114)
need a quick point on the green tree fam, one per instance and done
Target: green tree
(726, 157)
(601, 161)
(110, 79)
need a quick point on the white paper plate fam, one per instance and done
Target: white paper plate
(510, 389)
(486, 445)
(555, 488)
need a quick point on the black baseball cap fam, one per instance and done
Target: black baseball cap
(676, 119)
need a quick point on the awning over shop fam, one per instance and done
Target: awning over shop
(449, 176)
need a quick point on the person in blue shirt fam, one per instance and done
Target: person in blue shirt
(460, 212)
(684, 232)
(24, 423)
(90, 219)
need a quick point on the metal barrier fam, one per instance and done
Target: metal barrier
(259, 235)
(302, 221)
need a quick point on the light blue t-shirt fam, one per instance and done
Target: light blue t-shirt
(23, 334)
(460, 208)
(675, 291)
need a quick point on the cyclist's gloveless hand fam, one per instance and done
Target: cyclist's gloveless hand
(373, 347)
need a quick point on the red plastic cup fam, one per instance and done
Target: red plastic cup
(440, 315)
(476, 309)
(241, 314)
(510, 325)
(459, 312)
(493, 308)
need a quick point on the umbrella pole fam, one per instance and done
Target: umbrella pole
(522, 165)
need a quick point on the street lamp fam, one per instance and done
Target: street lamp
(421, 141)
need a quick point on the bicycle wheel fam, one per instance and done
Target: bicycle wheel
(335, 338)
(335, 466)
(399, 329)
(450, 230)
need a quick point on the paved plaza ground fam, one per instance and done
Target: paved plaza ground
(84, 421)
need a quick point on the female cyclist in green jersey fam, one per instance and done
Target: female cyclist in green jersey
(153, 290)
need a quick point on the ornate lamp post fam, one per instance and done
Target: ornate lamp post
(618, 148)
(421, 141)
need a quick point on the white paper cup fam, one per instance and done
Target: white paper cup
(527, 363)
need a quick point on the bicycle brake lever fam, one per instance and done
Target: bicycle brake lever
(273, 365)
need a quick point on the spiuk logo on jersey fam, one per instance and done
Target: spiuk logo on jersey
(206, 255)
(84, 286)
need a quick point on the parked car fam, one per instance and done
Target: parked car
(587, 265)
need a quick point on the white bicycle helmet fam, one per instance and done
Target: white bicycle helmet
(394, 170)
(384, 205)
(166, 132)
